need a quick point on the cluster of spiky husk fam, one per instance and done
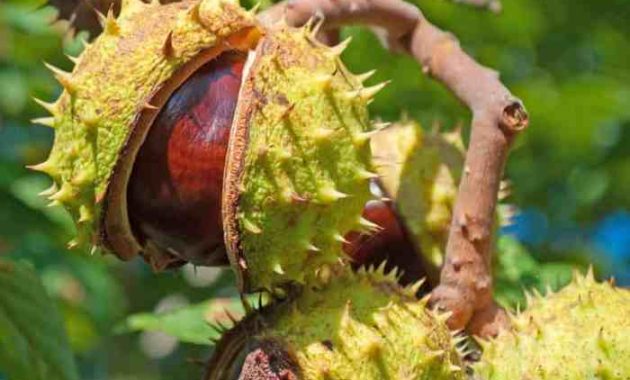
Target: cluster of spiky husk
(298, 167)
(301, 178)
(581, 332)
(421, 171)
(355, 326)
(116, 85)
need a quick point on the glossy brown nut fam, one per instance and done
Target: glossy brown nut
(175, 189)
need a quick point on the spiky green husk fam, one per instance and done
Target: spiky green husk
(306, 165)
(359, 326)
(581, 332)
(110, 89)
(421, 172)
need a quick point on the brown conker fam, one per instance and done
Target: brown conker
(175, 189)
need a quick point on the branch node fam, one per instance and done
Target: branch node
(462, 222)
(514, 118)
(459, 262)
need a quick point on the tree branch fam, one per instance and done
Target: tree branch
(466, 280)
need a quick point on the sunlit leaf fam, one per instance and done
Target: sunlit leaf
(190, 324)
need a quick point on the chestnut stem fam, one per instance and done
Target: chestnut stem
(497, 117)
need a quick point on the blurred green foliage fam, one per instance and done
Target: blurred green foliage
(517, 271)
(33, 343)
(567, 59)
(198, 324)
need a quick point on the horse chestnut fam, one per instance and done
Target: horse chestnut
(186, 128)
(175, 188)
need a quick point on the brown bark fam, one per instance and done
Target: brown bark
(466, 281)
(497, 116)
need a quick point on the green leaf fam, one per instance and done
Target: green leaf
(190, 324)
(33, 343)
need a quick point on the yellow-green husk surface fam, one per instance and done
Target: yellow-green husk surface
(580, 332)
(298, 167)
(118, 83)
(421, 172)
(359, 326)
